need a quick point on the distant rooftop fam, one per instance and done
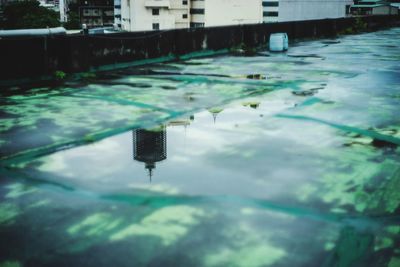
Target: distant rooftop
(370, 3)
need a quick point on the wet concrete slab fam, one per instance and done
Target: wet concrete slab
(273, 160)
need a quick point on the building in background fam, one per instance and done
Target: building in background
(142, 15)
(197, 13)
(396, 5)
(117, 13)
(373, 7)
(5, 2)
(51, 4)
(96, 13)
(296, 10)
(270, 10)
(63, 9)
(209, 13)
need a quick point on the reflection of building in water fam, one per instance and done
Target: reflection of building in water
(254, 105)
(182, 122)
(150, 146)
(215, 111)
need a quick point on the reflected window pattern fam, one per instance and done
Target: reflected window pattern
(150, 146)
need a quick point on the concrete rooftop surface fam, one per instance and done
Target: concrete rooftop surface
(277, 159)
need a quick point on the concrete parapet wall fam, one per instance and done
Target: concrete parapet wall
(26, 57)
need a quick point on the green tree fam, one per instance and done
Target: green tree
(29, 15)
(73, 21)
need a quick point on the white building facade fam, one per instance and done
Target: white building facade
(117, 13)
(143, 15)
(295, 10)
(226, 12)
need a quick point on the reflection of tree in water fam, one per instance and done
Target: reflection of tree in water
(254, 104)
(353, 248)
(215, 111)
(150, 146)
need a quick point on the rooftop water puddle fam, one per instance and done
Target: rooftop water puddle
(226, 161)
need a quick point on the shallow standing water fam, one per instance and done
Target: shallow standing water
(274, 160)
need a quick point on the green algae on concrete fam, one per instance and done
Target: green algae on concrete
(394, 262)
(18, 189)
(10, 264)
(8, 212)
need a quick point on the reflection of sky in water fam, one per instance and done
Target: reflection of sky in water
(245, 152)
(303, 173)
(234, 155)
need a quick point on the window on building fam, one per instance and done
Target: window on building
(184, 2)
(199, 11)
(270, 14)
(196, 25)
(348, 9)
(156, 26)
(270, 3)
(184, 16)
(155, 11)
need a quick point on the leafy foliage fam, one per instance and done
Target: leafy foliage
(60, 75)
(29, 15)
(73, 21)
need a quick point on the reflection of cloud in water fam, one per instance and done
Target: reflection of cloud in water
(169, 224)
(157, 188)
(68, 163)
(247, 247)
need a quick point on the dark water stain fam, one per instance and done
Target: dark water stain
(302, 63)
(191, 63)
(256, 77)
(303, 93)
(172, 73)
(309, 92)
(391, 46)
(306, 56)
(167, 87)
(135, 85)
(383, 144)
(331, 42)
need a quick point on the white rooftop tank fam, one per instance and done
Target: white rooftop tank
(278, 42)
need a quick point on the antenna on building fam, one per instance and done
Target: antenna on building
(150, 166)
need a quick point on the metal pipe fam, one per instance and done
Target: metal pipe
(33, 32)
